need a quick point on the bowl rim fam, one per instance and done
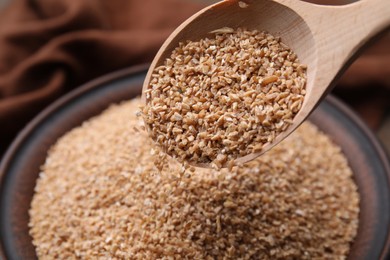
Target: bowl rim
(6, 160)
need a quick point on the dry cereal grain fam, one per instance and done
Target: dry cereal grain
(105, 193)
(242, 4)
(223, 97)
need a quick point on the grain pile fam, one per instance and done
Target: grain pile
(100, 194)
(224, 97)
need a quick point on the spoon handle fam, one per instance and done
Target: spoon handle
(342, 31)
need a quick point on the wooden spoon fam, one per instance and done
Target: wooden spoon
(326, 38)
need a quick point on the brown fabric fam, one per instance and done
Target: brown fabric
(49, 47)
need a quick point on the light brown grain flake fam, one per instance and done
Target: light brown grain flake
(100, 195)
(213, 91)
(242, 4)
(222, 30)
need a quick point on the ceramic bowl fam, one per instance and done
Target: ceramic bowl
(20, 166)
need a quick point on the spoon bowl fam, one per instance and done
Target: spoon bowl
(325, 38)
